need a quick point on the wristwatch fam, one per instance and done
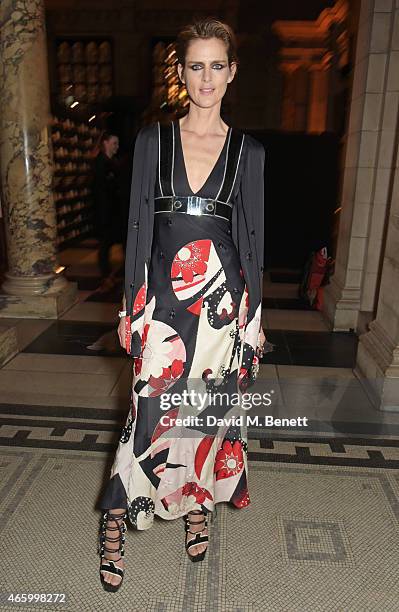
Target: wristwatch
(121, 313)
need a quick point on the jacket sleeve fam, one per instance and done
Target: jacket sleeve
(250, 238)
(136, 247)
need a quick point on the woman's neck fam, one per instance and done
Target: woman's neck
(204, 121)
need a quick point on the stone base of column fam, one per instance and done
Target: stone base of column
(340, 306)
(8, 344)
(377, 368)
(49, 304)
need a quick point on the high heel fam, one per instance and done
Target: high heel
(110, 566)
(198, 539)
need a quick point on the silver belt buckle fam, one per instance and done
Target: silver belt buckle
(194, 205)
(176, 203)
(210, 206)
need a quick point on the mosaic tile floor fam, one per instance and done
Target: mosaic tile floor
(318, 538)
(321, 533)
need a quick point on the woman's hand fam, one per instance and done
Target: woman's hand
(122, 332)
(261, 342)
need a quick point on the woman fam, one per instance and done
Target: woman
(191, 315)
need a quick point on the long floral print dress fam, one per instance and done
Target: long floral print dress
(190, 452)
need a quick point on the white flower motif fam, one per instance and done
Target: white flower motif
(173, 508)
(187, 503)
(155, 347)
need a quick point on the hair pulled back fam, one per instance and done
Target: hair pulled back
(208, 27)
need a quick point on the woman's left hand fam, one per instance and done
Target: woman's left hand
(261, 342)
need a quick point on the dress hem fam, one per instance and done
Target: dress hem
(186, 511)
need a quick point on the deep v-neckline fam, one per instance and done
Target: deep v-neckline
(184, 163)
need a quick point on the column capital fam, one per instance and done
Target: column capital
(289, 67)
(312, 32)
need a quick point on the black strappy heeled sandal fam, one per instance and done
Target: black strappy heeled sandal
(110, 565)
(198, 539)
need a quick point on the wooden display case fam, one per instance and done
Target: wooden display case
(84, 70)
(73, 148)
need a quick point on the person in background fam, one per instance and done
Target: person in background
(107, 201)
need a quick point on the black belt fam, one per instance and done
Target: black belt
(193, 205)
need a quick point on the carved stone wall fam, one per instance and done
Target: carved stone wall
(313, 53)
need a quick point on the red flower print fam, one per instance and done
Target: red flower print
(144, 336)
(230, 314)
(229, 460)
(200, 494)
(139, 301)
(138, 362)
(191, 259)
(202, 453)
(176, 368)
(167, 423)
(243, 379)
(168, 376)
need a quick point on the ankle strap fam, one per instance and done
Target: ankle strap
(196, 522)
(108, 515)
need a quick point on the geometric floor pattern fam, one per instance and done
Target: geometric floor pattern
(102, 437)
(88, 429)
(314, 538)
(321, 532)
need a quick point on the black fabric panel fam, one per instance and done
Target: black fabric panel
(166, 135)
(232, 162)
(114, 495)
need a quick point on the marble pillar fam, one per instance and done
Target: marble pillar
(32, 287)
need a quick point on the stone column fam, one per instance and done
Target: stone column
(288, 101)
(32, 287)
(351, 297)
(318, 98)
(301, 96)
(377, 364)
(294, 106)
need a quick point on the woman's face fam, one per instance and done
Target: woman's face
(207, 71)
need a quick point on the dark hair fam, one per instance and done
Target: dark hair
(106, 136)
(208, 27)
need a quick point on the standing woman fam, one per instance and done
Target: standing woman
(191, 315)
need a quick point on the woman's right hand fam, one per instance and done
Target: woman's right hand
(122, 332)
